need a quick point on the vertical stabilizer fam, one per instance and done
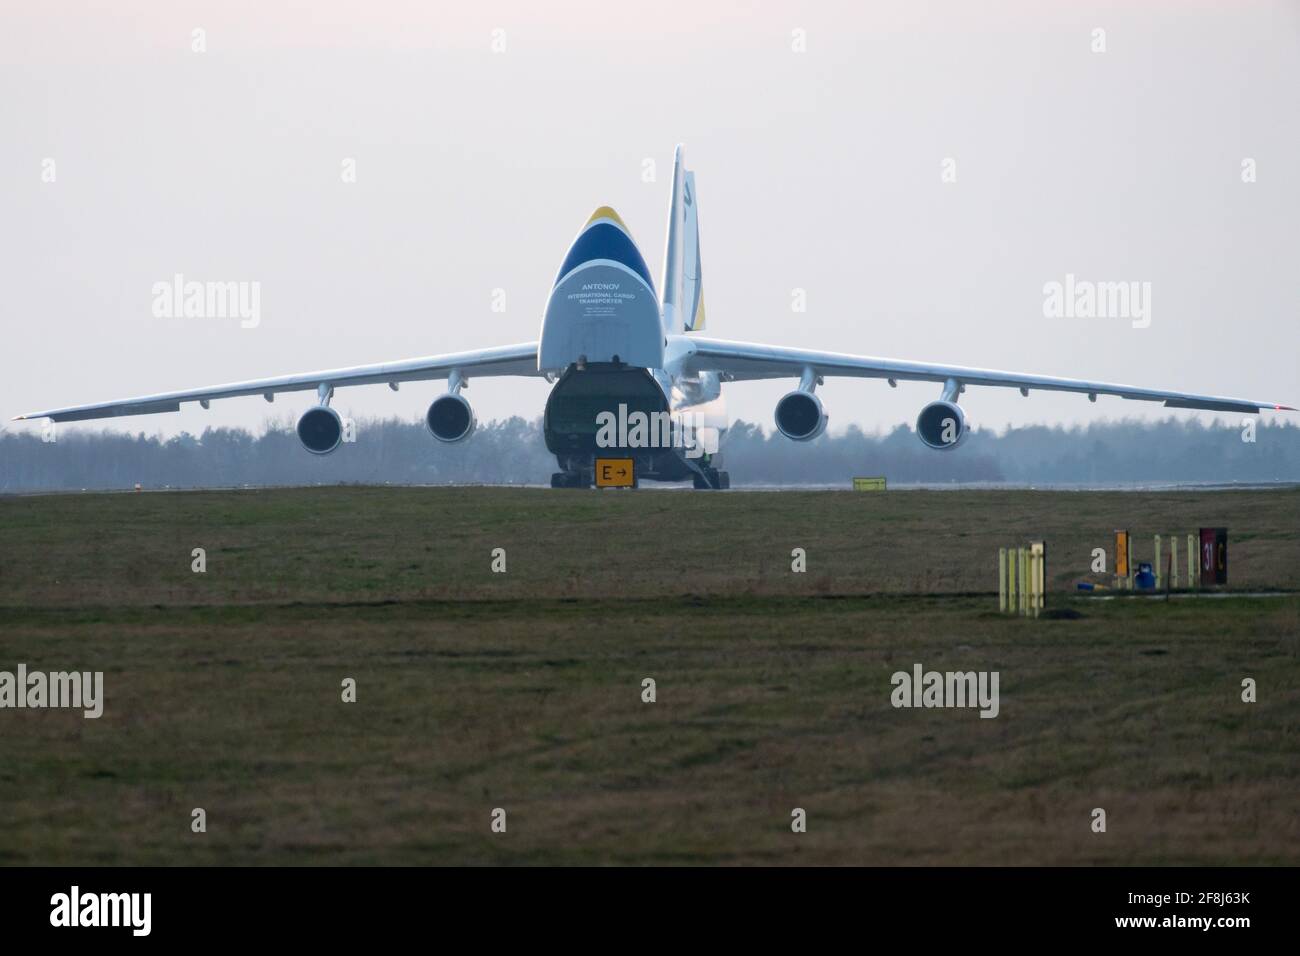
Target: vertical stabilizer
(683, 285)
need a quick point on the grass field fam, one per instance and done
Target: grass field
(522, 690)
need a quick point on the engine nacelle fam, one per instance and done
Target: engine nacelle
(320, 430)
(450, 418)
(941, 425)
(799, 416)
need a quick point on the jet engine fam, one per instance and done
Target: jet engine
(941, 425)
(450, 418)
(320, 430)
(799, 416)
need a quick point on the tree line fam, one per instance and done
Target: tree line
(512, 451)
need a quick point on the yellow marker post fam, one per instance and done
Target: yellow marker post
(1029, 578)
(1121, 556)
(1032, 601)
(1159, 573)
(1173, 560)
(615, 473)
(1038, 581)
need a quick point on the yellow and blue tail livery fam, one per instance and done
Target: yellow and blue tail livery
(683, 285)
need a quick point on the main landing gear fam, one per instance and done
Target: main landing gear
(570, 479)
(709, 478)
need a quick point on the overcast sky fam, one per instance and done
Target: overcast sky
(818, 132)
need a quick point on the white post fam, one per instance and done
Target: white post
(1011, 582)
(1024, 579)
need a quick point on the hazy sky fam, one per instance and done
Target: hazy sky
(819, 170)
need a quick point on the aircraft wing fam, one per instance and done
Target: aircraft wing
(506, 360)
(743, 361)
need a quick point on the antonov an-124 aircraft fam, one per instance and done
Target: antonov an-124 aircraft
(615, 350)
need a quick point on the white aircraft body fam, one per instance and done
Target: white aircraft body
(613, 349)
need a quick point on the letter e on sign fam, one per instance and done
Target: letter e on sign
(615, 473)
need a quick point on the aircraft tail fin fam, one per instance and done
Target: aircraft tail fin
(683, 285)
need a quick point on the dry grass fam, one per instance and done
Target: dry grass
(773, 689)
(346, 544)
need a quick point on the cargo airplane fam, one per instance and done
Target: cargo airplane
(612, 346)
